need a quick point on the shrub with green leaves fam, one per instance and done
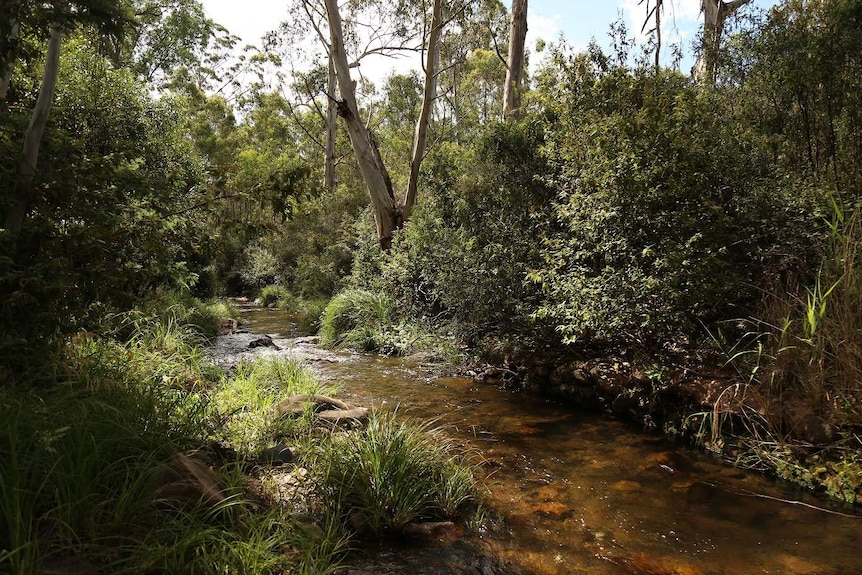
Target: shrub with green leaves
(668, 214)
(278, 295)
(462, 259)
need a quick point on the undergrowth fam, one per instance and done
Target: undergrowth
(366, 320)
(83, 462)
(797, 409)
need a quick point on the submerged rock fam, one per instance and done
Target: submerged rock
(462, 558)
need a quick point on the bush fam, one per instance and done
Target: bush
(460, 264)
(657, 233)
(278, 295)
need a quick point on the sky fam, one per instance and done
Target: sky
(577, 20)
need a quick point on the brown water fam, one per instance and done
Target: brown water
(582, 494)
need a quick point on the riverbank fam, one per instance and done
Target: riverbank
(711, 408)
(578, 492)
(139, 455)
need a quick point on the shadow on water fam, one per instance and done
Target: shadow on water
(582, 494)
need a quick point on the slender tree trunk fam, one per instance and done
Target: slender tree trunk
(515, 64)
(12, 30)
(331, 130)
(420, 137)
(658, 9)
(715, 13)
(387, 213)
(22, 193)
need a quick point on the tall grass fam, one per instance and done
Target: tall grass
(79, 460)
(244, 402)
(366, 321)
(391, 474)
(813, 335)
(356, 319)
(802, 365)
(83, 462)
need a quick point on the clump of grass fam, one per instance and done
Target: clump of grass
(390, 474)
(244, 402)
(278, 295)
(356, 319)
(184, 309)
(365, 321)
(309, 313)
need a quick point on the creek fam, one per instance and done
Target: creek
(579, 493)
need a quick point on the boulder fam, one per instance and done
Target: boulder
(278, 454)
(326, 408)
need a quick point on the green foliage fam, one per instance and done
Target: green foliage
(796, 76)
(79, 459)
(464, 255)
(657, 232)
(391, 474)
(259, 266)
(278, 295)
(809, 338)
(122, 194)
(244, 402)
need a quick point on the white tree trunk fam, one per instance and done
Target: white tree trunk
(429, 95)
(515, 63)
(27, 169)
(387, 213)
(715, 13)
(331, 130)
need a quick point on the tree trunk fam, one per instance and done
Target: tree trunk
(10, 47)
(331, 130)
(432, 63)
(715, 13)
(22, 193)
(515, 64)
(387, 213)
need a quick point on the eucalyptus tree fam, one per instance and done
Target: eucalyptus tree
(57, 17)
(515, 61)
(389, 30)
(472, 69)
(715, 14)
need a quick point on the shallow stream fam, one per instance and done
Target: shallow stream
(582, 494)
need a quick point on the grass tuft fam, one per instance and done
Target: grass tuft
(391, 474)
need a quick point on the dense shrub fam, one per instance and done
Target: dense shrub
(464, 256)
(669, 213)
